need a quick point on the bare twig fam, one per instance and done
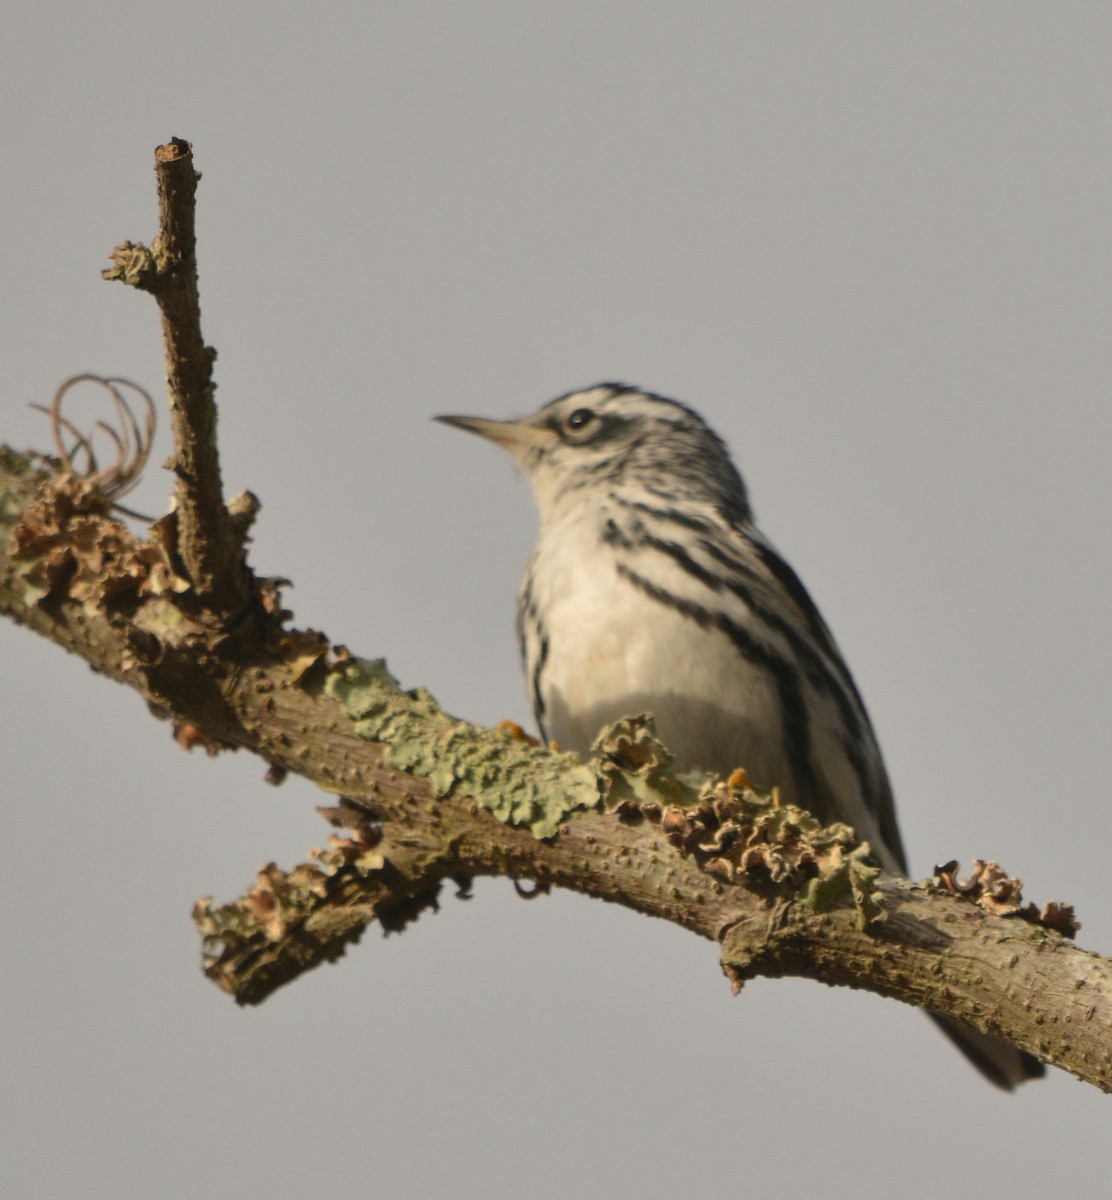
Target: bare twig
(208, 541)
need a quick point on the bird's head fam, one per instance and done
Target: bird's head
(612, 436)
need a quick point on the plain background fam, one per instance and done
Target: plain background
(869, 241)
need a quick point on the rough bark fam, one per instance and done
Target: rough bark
(211, 550)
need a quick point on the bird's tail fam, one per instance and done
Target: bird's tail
(999, 1062)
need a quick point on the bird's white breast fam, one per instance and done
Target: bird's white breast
(614, 650)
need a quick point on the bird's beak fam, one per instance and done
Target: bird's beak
(513, 435)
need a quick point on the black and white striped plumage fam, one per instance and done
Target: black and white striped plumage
(651, 590)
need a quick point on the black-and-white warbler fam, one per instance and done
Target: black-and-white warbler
(651, 590)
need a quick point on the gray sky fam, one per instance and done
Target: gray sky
(869, 241)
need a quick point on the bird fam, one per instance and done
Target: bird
(651, 590)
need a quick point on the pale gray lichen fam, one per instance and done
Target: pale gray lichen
(481, 764)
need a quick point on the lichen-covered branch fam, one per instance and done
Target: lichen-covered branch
(423, 799)
(209, 542)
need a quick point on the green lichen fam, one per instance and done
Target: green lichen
(518, 783)
(13, 465)
(12, 462)
(636, 766)
(847, 874)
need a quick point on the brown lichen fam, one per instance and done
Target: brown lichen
(994, 890)
(69, 547)
(732, 830)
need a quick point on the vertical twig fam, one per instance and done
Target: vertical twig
(208, 542)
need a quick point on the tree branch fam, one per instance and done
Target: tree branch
(425, 798)
(209, 542)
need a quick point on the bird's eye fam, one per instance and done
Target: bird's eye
(580, 419)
